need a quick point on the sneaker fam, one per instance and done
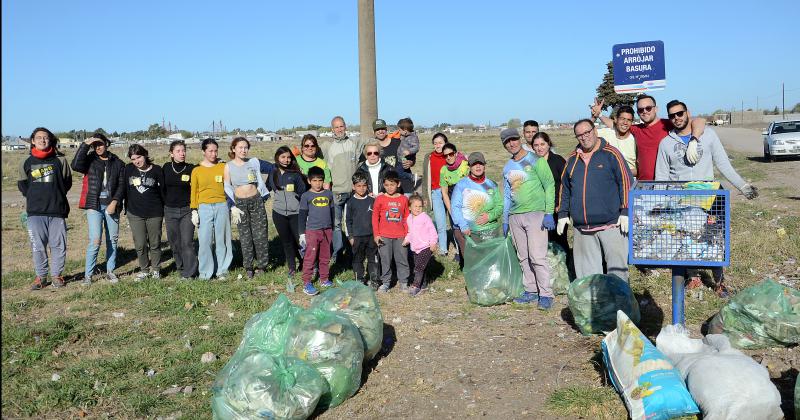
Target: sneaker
(457, 258)
(310, 290)
(38, 283)
(185, 278)
(326, 283)
(384, 288)
(87, 281)
(59, 281)
(403, 286)
(414, 290)
(258, 272)
(141, 276)
(112, 278)
(155, 274)
(722, 291)
(545, 303)
(374, 285)
(527, 297)
(694, 283)
(250, 274)
(222, 277)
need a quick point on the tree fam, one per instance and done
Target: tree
(605, 91)
(114, 134)
(796, 108)
(100, 130)
(514, 123)
(776, 111)
(186, 134)
(260, 130)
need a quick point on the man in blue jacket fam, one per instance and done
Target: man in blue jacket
(594, 200)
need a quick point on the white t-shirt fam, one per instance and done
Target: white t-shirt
(626, 146)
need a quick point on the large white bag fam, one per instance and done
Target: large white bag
(725, 383)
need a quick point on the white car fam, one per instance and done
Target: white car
(782, 138)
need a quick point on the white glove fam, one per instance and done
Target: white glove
(623, 224)
(750, 191)
(562, 223)
(691, 152)
(236, 215)
(302, 240)
(195, 218)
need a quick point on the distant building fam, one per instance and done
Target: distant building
(300, 133)
(17, 143)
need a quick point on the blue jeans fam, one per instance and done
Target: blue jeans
(339, 199)
(215, 226)
(440, 218)
(97, 221)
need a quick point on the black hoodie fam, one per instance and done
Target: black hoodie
(44, 182)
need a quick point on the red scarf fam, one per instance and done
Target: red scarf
(479, 180)
(43, 154)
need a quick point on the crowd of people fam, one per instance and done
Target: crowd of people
(359, 200)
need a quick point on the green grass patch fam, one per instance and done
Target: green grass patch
(586, 402)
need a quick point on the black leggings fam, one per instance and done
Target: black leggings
(288, 233)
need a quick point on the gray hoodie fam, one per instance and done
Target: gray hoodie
(671, 164)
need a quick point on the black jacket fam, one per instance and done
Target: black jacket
(381, 175)
(92, 168)
(44, 184)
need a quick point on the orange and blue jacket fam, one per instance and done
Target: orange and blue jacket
(595, 193)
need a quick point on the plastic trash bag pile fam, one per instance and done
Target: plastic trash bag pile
(559, 272)
(723, 381)
(293, 362)
(594, 301)
(491, 271)
(766, 314)
(647, 380)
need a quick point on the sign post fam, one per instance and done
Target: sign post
(639, 67)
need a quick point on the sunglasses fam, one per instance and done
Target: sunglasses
(309, 146)
(451, 154)
(678, 114)
(372, 153)
(645, 109)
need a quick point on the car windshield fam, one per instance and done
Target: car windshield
(786, 127)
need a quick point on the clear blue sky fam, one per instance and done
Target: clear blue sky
(124, 65)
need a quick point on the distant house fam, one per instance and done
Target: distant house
(175, 136)
(67, 143)
(269, 137)
(18, 143)
(301, 133)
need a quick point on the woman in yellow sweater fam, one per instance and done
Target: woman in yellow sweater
(210, 213)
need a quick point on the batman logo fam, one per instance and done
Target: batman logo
(321, 202)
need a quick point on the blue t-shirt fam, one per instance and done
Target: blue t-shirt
(316, 210)
(685, 138)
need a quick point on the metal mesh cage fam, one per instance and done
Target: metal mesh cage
(679, 224)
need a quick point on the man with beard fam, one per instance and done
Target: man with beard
(672, 165)
(342, 154)
(649, 133)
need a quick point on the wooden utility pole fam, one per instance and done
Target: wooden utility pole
(367, 82)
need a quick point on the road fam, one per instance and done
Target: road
(741, 139)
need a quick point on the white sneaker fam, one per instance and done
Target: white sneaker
(155, 274)
(141, 276)
(112, 278)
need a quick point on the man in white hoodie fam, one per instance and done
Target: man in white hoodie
(672, 165)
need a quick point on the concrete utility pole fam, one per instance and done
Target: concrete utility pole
(367, 83)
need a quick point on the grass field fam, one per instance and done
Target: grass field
(118, 350)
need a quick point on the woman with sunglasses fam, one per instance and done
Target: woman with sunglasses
(375, 168)
(454, 170)
(310, 157)
(433, 163)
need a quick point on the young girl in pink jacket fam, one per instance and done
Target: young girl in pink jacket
(422, 237)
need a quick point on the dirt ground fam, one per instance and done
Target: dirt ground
(446, 358)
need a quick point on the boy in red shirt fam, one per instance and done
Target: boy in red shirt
(389, 228)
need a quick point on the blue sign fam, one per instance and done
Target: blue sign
(639, 67)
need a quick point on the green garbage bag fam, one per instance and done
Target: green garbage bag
(266, 330)
(559, 273)
(331, 343)
(595, 299)
(358, 303)
(491, 271)
(256, 384)
(766, 314)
